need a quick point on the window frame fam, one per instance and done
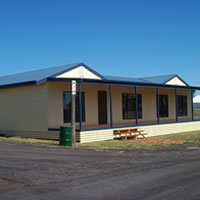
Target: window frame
(163, 107)
(126, 106)
(68, 118)
(183, 106)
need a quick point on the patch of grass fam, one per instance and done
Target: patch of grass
(151, 143)
(29, 140)
(119, 145)
(187, 137)
(197, 113)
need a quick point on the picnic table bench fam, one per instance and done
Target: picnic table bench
(128, 133)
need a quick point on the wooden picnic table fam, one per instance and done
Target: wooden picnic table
(128, 133)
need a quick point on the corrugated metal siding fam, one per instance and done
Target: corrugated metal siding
(53, 135)
(50, 135)
(107, 134)
(98, 135)
(164, 129)
(152, 130)
(24, 108)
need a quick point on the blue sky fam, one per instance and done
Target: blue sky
(133, 38)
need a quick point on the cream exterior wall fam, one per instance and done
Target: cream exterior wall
(91, 103)
(148, 104)
(55, 103)
(79, 72)
(149, 110)
(117, 103)
(24, 109)
(175, 81)
(171, 104)
(29, 111)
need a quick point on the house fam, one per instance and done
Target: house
(35, 104)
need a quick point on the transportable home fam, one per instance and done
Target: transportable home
(35, 104)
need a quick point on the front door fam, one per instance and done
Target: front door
(102, 107)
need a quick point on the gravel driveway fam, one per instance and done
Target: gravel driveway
(38, 172)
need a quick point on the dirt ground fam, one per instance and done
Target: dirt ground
(157, 141)
(30, 172)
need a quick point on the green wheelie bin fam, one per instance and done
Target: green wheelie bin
(66, 136)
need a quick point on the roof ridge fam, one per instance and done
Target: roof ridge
(159, 76)
(39, 69)
(120, 76)
(143, 77)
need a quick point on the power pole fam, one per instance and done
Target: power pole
(73, 113)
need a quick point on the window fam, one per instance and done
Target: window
(163, 105)
(182, 105)
(139, 106)
(67, 100)
(129, 106)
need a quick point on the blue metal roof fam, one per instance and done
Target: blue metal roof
(153, 79)
(40, 76)
(158, 79)
(119, 78)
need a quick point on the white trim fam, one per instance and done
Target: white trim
(175, 81)
(79, 72)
